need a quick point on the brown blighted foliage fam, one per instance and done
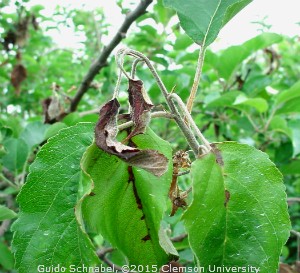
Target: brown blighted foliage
(53, 108)
(140, 107)
(180, 160)
(53, 111)
(9, 39)
(18, 75)
(106, 131)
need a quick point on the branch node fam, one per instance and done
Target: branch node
(123, 35)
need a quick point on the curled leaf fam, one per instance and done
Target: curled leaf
(53, 110)
(106, 131)
(140, 107)
(18, 75)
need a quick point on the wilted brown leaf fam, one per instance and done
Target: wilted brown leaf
(18, 75)
(140, 107)
(106, 131)
(180, 160)
(9, 40)
(53, 108)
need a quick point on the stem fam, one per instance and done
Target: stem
(180, 122)
(120, 61)
(197, 79)
(270, 119)
(10, 183)
(160, 114)
(102, 255)
(23, 175)
(191, 121)
(85, 113)
(118, 84)
(296, 233)
(293, 199)
(101, 61)
(183, 173)
(134, 65)
(252, 123)
(4, 227)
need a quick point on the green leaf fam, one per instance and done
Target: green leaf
(127, 204)
(163, 15)
(257, 84)
(238, 216)
(17, 152)
(202, 20)
(6, 213)
(224, 100)
(259, 104)
(292, 168)
(230, 59)
(6, 257)
(46, 231)
(71, 119)
(238, 100)
(34, 133)
(182, 42)
(279, 124)
(294, 126)
(288, 101)
(5, 132)
(54, 129)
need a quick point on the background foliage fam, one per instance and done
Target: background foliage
(250, 93)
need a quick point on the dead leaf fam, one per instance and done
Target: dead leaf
(140, 107)
(18, 75)
(106, 131)
(53, 108)
(180, 160)
(9, 40)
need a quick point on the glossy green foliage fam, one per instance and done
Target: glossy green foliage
(17, 152)
(47, 231)
(229, 60)
(288, 101)
(6, 257)
(127, 204)
(34, 133)
(6, 213)
(202, 20)
(238, 216)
